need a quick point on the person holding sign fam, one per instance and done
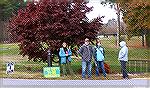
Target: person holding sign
(99, 56)
(65, 59)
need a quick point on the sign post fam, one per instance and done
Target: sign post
(50, 72)
(49, 58)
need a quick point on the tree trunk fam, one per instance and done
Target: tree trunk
(143, 40)
(1, 33)
(148, 39)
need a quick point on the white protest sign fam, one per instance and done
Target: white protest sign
(10, 67)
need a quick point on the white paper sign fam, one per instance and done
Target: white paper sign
(10, 68)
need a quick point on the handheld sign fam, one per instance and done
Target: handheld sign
(51, 72)
(10, 68)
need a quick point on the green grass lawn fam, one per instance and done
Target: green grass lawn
(9, 49)
(9, 52)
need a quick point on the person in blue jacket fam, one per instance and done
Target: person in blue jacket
(99, 56)
(65, 59)
(123, 58)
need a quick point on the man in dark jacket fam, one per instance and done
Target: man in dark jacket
(86, 52)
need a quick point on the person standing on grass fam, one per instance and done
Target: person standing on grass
(86, 52)
(99, 56)
(65, 59)
(123, 58)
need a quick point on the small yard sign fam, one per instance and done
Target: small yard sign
(51, 72)
(9, 67)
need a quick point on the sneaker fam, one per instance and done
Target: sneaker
(106, 78)
(64, 76)
(126, 78)
(89, 78)
(83, 78)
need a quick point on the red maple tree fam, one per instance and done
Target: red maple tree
(48, 23)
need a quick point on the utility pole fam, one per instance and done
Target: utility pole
(118, 25)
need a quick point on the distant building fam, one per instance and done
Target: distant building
(111, 28)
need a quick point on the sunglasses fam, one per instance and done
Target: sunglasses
(87, 41)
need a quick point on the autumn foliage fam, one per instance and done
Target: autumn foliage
(48, 23)
(137, 17)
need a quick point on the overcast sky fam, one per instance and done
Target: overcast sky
(100, 10)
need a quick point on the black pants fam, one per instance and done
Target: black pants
(123, 69)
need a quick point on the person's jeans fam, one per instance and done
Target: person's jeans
(123, 69)
(100, 64)
(84, 65)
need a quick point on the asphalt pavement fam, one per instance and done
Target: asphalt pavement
(34, 83)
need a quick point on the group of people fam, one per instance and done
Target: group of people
(87, 51)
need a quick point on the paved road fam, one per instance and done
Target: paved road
(32, 83)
